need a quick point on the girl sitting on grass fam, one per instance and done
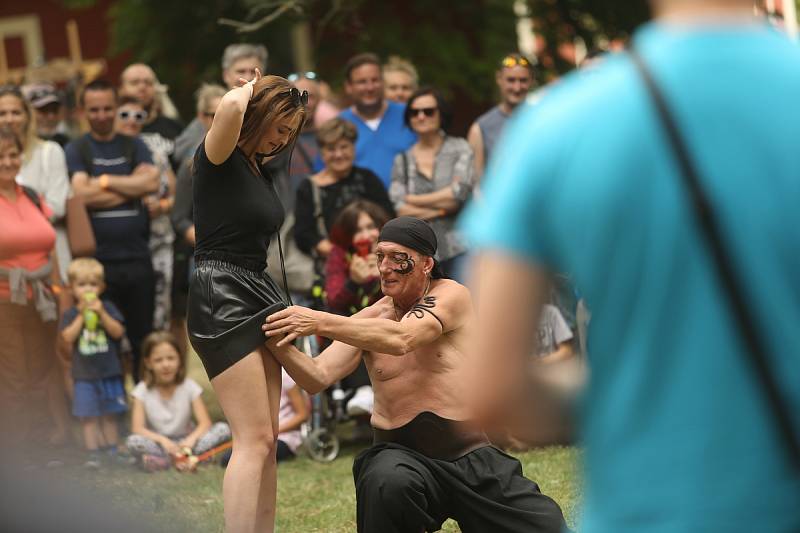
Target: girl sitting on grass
(163, 406)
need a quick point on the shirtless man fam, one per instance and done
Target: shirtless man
(428, 462)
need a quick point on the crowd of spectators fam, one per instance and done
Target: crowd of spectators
(389, 152)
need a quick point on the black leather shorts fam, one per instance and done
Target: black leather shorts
(227, 307)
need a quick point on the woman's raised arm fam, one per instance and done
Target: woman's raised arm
(224, 133)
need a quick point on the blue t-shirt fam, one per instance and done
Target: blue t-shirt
(122, 232)
(95, 354)
(376, 149)
(678, 437)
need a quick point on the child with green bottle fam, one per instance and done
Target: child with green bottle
(94, 328)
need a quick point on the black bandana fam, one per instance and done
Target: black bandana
(412, 233)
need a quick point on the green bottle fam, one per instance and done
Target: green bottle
(90, 318)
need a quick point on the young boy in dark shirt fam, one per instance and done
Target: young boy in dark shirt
(94, 328)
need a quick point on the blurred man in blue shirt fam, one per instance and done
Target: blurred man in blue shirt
(382, 133)
(678, 435)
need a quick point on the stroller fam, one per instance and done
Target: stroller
(327, 410)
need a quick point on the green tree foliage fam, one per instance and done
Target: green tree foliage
(596, 22)
(184, 43)
(455, 45)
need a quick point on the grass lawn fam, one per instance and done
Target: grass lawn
(312, 497)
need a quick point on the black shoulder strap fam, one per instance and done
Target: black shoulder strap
(129, 150)
(85, 151)
(33, 196)
(756, 347)
(405, 167)
(316, 195)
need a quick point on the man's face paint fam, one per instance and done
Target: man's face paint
(403, 263)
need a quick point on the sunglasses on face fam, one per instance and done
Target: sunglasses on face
(515, 61)
(427, 111)
(136, 116)
(293, 77)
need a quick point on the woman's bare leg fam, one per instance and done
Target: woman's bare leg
(249, 487)
(270, 473)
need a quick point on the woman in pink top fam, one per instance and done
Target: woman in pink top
(28, 312)
(293, 412)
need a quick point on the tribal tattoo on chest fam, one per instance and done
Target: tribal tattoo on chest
(425, 305)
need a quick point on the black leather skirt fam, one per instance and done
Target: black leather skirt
(227, 307)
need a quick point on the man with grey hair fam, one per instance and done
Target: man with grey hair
(667, 183)
(241, 61)
(238, 61)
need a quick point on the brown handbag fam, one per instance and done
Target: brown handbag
(79, 228)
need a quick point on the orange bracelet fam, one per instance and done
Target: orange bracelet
(56, 289)
(165, 204)
(103, 181)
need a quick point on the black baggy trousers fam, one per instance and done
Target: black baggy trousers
(400, 490)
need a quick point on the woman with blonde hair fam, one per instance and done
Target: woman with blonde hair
(44, 166)
(400, 79)
(237, 212)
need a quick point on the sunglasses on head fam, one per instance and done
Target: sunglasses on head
(294, 76)
(427, 111)
(299, 98)
(136, 116)
(514, 61)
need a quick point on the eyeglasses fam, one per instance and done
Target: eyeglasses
(427, 111)
(299, 98)
(293, 77)
(515, 61)
(136, 116)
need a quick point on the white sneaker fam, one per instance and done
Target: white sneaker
(361, 403)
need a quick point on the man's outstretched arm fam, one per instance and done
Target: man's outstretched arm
(444, 309)
(317, 373)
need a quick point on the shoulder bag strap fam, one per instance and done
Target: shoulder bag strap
(33, 196)
(742, 313)
(405, 168)
(85, 151)
(316, 195)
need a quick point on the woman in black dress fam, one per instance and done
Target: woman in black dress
(237, 212)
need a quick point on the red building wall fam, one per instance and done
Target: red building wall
(93, 26)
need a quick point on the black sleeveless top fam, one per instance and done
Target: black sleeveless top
(236, 210)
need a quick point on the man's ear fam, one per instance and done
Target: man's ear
(427, 266)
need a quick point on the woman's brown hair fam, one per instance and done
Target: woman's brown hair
(346, 223)
(148, 344)
(273, 100)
